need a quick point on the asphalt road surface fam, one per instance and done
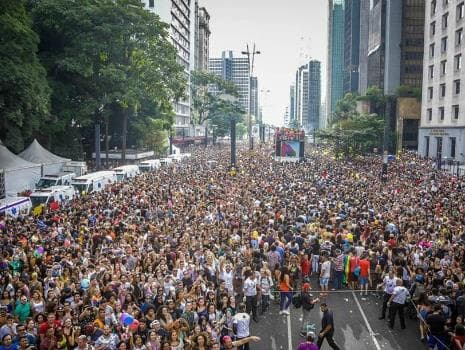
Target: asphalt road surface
(356, 326)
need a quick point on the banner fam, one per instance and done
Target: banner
(290, 148)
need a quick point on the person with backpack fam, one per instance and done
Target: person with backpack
(307, 303)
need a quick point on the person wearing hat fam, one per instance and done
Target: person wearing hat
(308, 343)
(308, 303)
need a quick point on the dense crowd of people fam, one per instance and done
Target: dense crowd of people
(188, 256)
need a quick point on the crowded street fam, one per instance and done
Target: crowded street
(197, 256)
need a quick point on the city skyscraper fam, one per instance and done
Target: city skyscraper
(180, 15)
(335, 69)
(202, 38)
(305, 96)
(292, 102)
(236, 70)
(314, 95)
(351, 45)
(442, 128)
(301, 95)
(363, 47)
(395, 44)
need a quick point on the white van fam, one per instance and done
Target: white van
(47, 196)
(93, 182)
(79, 168)
(166, 161)
(149, 165)
(14, 206)
(126, 172)
(60, 179)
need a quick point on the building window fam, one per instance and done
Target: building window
(430, 93)
(151, 3)
(445, 20)
(453, 143)
(442, 89)
(458, 36)
(460, 11)
(443, 67)
(432, 28)
(457, 87)
(431, 71)
(455, 112)
(439, 147)
(441, 113)
(433, 7)
(431, 50)
(426, 146)
(429, 112)
(458, 62)
(444, 44)
(445, 3)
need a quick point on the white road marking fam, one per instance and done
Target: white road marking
(289, 332)
(370, 330)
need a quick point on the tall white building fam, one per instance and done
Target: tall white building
(180, 15)
(442, 130)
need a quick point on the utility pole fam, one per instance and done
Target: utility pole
(251, 62)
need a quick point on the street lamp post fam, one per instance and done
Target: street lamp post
(251, 62)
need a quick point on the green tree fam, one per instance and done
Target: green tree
(355, 135)
(105, 53)
(221, 114)
(241, 130)
(345, 108)
(24, 92)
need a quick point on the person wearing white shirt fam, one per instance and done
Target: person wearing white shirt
(396, 304)
(389, 283)
(250, 293)
(241, 324)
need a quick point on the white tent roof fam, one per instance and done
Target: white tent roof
(9, 161)
(37, 154)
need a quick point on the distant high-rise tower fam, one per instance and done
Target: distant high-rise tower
(236, 70)
(306, 96)
(180, 16)
(314, 95)
(292, 102)
(335, 72)
(351, 45)
(202, 38)
(254, 98)
(363, 47)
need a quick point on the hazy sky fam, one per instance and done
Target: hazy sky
(288, 33)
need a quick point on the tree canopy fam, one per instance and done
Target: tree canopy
(24, 91)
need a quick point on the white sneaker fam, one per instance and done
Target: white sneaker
(286, 312)
(281, 312)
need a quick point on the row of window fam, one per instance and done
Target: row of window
(443, 66)
(444, 43)
(460, 9)
(442, 90)
(439, 146)
(441, 113)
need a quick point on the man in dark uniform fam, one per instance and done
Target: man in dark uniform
(327, 327)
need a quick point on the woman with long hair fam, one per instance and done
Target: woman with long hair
(285, 291)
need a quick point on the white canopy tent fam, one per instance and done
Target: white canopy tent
(20, 175)
(51, 163)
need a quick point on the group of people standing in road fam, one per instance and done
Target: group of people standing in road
(192, 255)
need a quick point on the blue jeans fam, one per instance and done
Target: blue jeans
(284, 296)
(315, 265)
(338, 276)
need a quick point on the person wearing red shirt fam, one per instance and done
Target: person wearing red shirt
(51, 322)
(305, 266)
(364, 276)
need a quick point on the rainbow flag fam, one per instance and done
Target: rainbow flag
(345, 278)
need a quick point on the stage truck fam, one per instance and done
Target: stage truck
(289, 144)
